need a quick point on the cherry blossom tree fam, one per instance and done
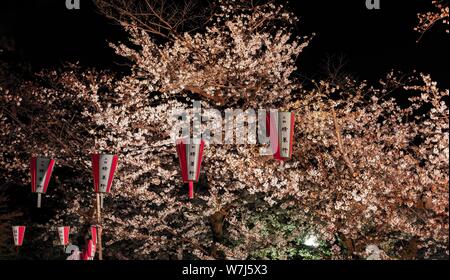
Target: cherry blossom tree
(369, 166)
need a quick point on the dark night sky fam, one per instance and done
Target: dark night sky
(372, 41)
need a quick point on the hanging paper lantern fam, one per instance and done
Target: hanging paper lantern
(41, 171)
(103, 168)
(91, 246)
(63, 233)
(18, 234)
(280, 129)
(190, 156)
(94, 234)
(89, 251)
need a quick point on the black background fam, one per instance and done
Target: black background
(276, 269)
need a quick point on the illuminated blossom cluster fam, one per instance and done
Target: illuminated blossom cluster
(368, 173)
(239, 59)
(430, 18)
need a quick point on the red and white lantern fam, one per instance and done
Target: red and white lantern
(103, 168)
(41, 171)
(63, 233)
(190, 156)
(18, 234)
(94, 234)
(280, 128)
(88, 252)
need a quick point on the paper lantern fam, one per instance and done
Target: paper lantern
(280, 129)
(103, 168)
(89, 251)
(94, 234)
(63, 233)
(41, 171)
(18, 234)
(190, 156)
